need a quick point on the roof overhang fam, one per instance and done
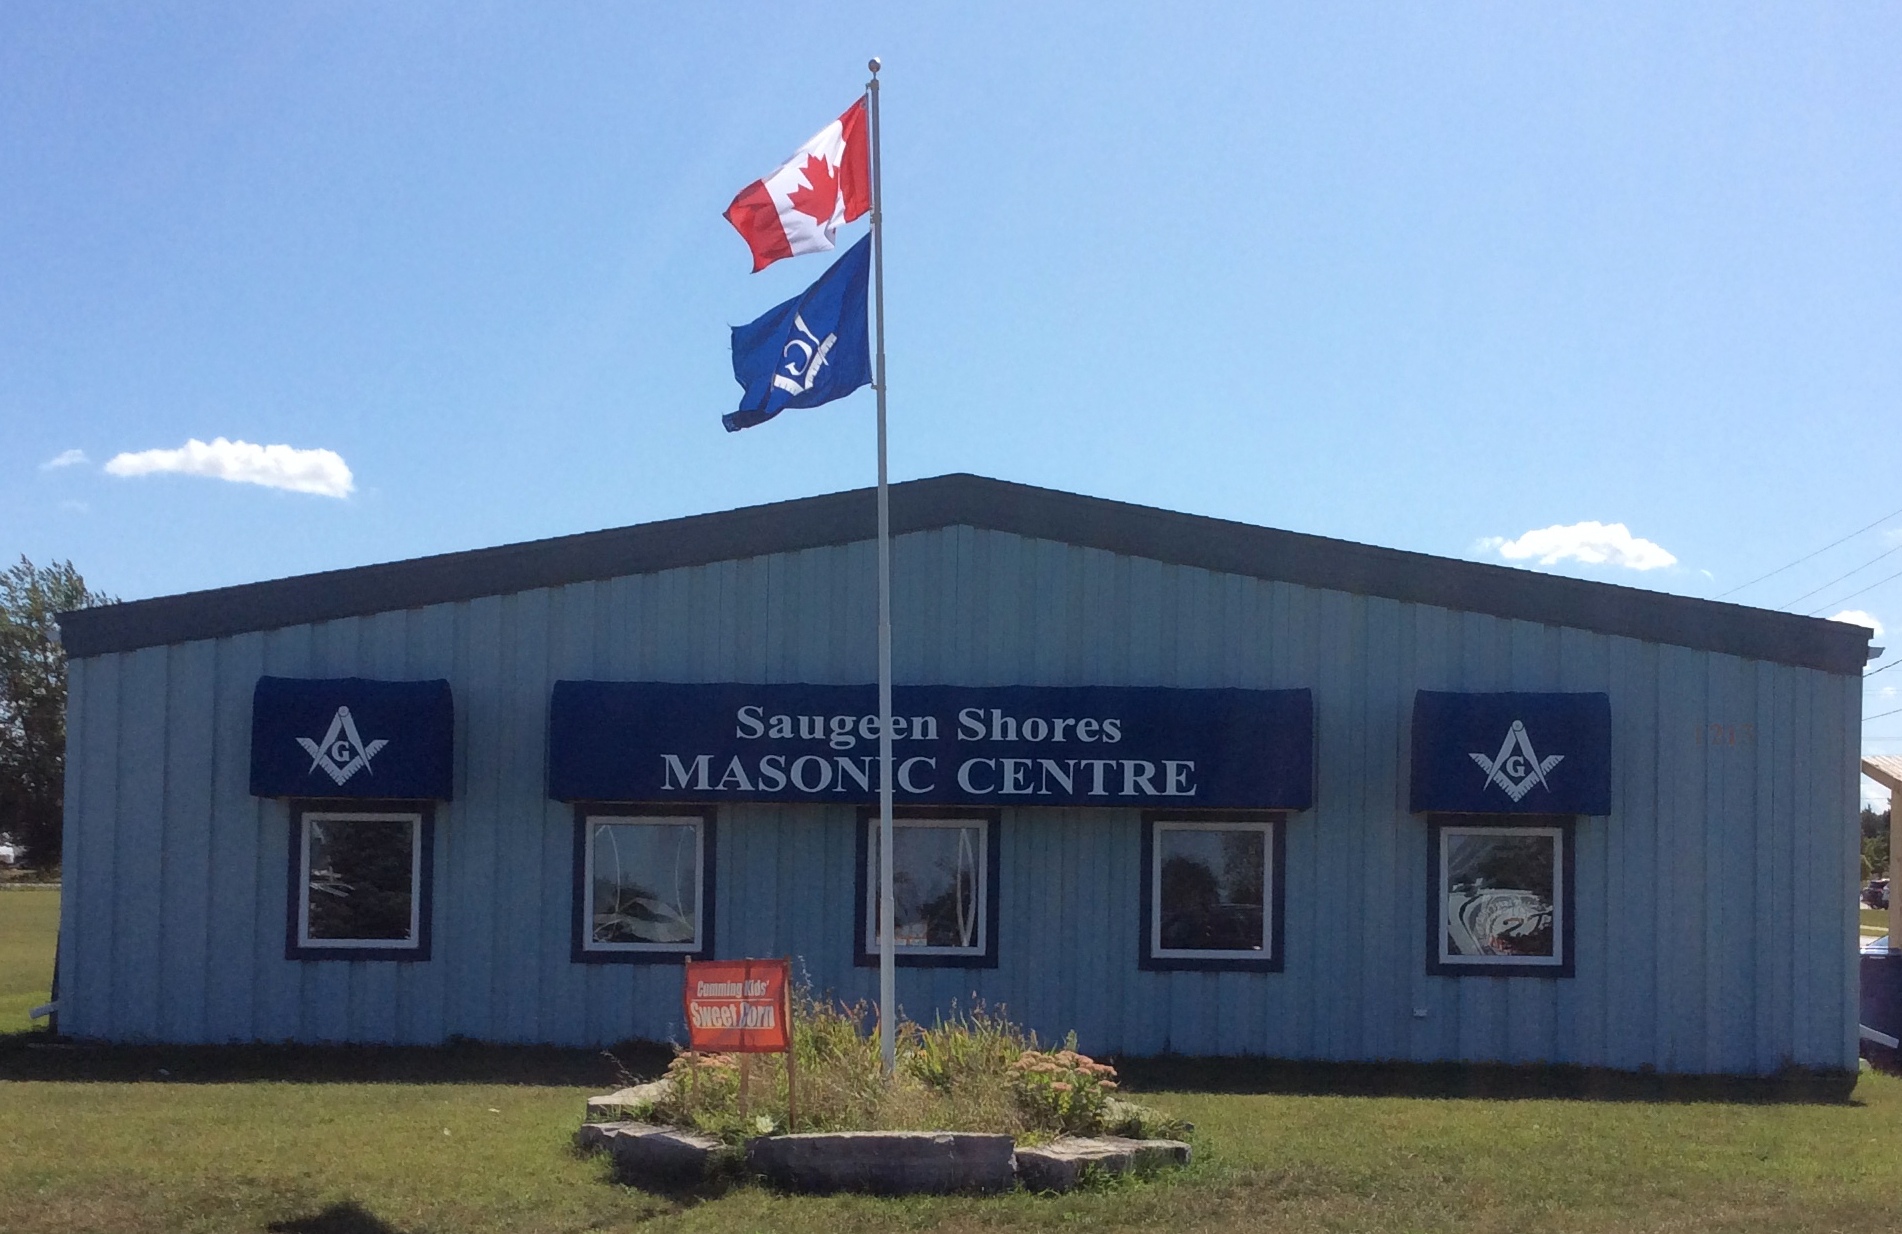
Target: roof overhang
(1884, 769)
(996, 505)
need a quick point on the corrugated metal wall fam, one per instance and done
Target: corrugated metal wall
(1715, 913)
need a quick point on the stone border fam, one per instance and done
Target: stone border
(884, 1162)
(878, 1162)
(628, 1103)
(644, 1153)
(1064, 1163)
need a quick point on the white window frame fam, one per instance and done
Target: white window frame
(1557, 959)
(414, 942)
(869, 933)
(693, 946)
(1156, 950)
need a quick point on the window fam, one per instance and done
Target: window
(360, 882)
(641, 884)
(1212, 890)
(944, 888)
(1500, 896)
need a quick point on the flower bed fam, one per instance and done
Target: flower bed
(973, 1072)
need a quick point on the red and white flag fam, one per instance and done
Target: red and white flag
(797, 208)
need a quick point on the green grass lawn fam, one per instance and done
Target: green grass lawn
(29, 924)
(102, 1141)
(1875, 919)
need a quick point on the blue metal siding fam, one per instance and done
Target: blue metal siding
(1715, 910)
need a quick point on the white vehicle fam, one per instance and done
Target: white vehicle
(9, 853)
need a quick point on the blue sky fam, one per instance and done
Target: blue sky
(1426, 276)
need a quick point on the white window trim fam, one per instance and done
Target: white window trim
(414, 941)
(699, 824)
(1156, 950)
(1557, 958)
(983, 856)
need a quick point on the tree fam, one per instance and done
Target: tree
(33, 702)
(1875, 844)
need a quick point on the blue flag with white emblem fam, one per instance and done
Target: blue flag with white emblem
(809, 350)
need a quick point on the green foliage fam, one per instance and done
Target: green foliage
(33, 702)
(1141, 1122)
(972, 1047)
(1875, 844)
(1062, 1090)
(972, 1071)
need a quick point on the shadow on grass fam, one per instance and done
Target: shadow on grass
(682, 1195)
(1495, 1082)
(348, 1217)
(41, 1056)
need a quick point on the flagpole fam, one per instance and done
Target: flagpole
(887, 992)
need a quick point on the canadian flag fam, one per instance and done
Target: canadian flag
(797, 208)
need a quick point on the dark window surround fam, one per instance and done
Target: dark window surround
(425, 879)
(1273, 961)
(1566, 824)
(579, 952)
(993, 821)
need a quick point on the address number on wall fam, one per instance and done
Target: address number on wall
(1715, 734)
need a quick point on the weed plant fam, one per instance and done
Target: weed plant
(974, 1070)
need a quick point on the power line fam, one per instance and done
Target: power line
(1832, 582)
(1800, 560)
(1880, 714)
(1885, 668)
(1852, 595)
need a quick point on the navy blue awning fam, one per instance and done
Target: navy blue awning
(1141, 747)
(352, 737)
(1511, 753)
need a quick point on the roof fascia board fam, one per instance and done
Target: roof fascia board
(996, 505)
(1467, 586)
(447, 578)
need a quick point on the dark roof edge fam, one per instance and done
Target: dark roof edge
(954, 500)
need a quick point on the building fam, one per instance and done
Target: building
(1177, 783)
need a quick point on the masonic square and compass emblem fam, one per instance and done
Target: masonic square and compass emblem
(342, 752)
(1516, 768)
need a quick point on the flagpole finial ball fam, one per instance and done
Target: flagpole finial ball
(874, 64)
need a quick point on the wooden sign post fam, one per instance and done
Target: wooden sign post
(742, 1007)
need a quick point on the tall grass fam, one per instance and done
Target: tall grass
(973, 1070)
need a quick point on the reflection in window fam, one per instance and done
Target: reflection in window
(1501, 894)
(361, 874)
(1210, 895)
(643, 883)
(938, 885)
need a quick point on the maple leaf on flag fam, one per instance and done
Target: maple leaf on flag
(820, 196)
(798, 206)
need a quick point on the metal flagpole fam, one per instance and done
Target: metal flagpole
(887, 993)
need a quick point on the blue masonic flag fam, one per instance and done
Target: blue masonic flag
(809, 350)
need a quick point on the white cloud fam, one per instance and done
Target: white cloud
(1856, 617)
(1594, 544)
(65, 458)
(301, 471)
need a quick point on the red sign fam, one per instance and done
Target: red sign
(738, 1006)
